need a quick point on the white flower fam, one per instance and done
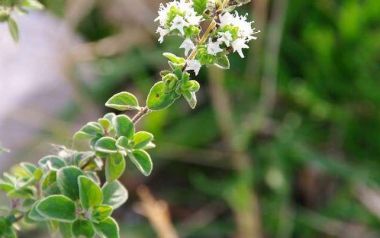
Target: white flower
(178, 24)
(225, 37)
(245, 32)
(193, 65)
(184, 16)
(227, 19)
(213, 48)
(188, 45)
(193, 19)
(163, 32)
(245, 27)
(238, 45)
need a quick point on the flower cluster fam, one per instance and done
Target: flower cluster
(178, 17)
(231, 33)
(236, 32)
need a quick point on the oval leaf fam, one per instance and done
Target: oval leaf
(67, 180)
(114, 194)
(58, 208)
(13, 29)
(49, 184)
(142, 161)
(158, 98)
(83, 228)
(107, 228)
(52, 162)
(123, 143)
(123, 126)
(141, 139)
(101, 213)
(191, 98)
(115, 166)
(89, 192)
(66, 230)
(222, 62)
(200, 6)
(89, 131)
(123, 101)
(35, 215)
(106, 145)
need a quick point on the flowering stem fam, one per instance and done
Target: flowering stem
(209, 29)
(145, 110)
(203, 39)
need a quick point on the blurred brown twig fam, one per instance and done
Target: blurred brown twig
(157, 212)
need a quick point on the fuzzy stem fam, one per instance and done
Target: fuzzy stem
(143, 112)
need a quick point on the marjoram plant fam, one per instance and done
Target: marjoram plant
(64, 190)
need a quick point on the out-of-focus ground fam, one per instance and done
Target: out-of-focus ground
(302, 156)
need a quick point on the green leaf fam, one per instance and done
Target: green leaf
(67, 180)
(32, 4)
(123, 126)
(114, 194)
(6, 228)
(142, 139)
(52, 162)
(57, 208)
(159, 98)
(106, 121)
(83, 228)
(123, 143)
(23, 193)
(6, 186)
(107, 228)
(13, 29)
(93, 176)
(89, 131)
(95, 164)
(53, 226)
(28, 203)
(123, 101)
(66, 230)
(115, 166)
(170, 81)
(174, 59)
(106, 145)
(222, 62)
(142, 161)
(89, 192)
(38, 174)
(101, 213)
(35, 215)
(191, 86)
(3, 16)
(200, 6)
(49, 184)
(191, 98)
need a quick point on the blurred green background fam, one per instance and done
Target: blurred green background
(284, 144)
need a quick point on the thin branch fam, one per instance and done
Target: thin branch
(157, 212)
(143, 112)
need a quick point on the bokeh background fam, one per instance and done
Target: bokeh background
(284, 144)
